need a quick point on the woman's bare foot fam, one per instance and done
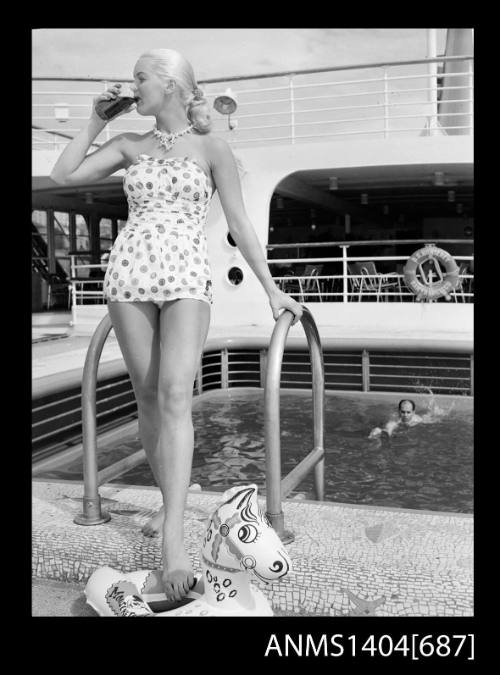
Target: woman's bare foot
(177, 574)
(154, 525)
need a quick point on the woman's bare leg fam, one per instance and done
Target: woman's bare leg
(184, 327)
(137, 329)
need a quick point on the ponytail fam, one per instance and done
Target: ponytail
(198, 111)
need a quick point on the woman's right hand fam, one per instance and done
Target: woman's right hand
(109, 94)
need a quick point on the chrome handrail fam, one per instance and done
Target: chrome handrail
(92, 511)
(277, 488)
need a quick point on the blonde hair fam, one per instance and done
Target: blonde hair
(169, 64)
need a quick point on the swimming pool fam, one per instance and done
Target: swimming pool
(427, 467)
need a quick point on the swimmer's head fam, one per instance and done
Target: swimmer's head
(406, 410)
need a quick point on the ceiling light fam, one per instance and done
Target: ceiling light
(280, 204)
(460, 208)
(89, 198)
(364, 198)
(451, 195)
(333, 183)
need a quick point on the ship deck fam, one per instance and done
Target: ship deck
(347, 560)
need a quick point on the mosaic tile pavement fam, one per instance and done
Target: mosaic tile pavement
(348, 560)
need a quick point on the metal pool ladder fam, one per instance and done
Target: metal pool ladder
(92, 511)
(277, 488)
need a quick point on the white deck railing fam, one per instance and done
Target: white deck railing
(314, 286)
(375, 285)
(381, 100)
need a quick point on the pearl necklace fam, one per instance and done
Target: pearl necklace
(167, 140)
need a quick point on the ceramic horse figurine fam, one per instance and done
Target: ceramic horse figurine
(239, 540)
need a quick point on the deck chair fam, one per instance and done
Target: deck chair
(400, 270)
(290, 284)
(363, 279)
(308, 285)
(354, 285)
(463, 285)
(375, 282)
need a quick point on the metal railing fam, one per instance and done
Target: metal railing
(344, 287)
(398, 97)
(92, 511)
(379, 285)
(85, 290)
(56, 419)
(277, 489)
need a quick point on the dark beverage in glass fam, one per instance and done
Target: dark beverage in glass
(112, 107)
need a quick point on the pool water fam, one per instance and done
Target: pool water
(428, 467)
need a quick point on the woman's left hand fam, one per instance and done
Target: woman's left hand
(280, 300)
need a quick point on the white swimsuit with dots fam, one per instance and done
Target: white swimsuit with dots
(161, 253)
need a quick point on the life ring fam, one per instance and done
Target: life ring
(429, 291)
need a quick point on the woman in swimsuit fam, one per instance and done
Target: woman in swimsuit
(157, 283)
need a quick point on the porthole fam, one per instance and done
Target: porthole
(235, 276)
(230, 240)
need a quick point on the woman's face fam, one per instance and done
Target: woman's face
(149, 88)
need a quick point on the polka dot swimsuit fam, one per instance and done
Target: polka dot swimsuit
(161, 253)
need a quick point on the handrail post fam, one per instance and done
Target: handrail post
(92, 512)
(344, 248)
(386, 104)
(318, 398)
(272, 415)
(433, 72)
(365, 370)
(73, 290)
(224, 368)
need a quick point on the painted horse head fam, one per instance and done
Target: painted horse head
(240, 536)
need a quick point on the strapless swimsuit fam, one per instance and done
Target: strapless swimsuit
(161, 253)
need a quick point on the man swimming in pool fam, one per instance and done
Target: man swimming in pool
(406, 418)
